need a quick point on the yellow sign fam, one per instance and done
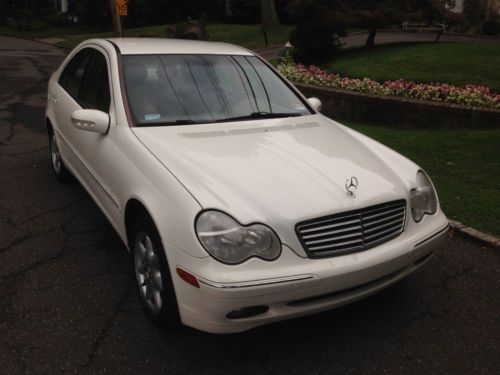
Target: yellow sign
(121, 7)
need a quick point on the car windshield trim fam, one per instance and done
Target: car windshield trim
(190, 89)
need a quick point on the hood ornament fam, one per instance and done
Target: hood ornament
(351, 185)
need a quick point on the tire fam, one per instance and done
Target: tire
(152, 275)
(62, 174)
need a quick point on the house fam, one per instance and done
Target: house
(492, 7)
(455, 6)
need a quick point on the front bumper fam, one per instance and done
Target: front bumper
(292, 286)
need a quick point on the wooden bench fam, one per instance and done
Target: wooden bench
(438, 28)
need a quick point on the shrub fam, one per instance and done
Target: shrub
(318, 27)
(57, 20)
(491, 27)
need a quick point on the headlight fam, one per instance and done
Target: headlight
(423, 199)
(230, 242)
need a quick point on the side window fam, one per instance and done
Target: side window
(71, 78)
(95, 93)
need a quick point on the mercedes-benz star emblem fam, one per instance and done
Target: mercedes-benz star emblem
(351, 184)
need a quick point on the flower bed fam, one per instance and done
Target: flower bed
(470, 95)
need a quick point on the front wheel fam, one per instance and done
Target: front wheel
(153, 279)
(62, 174)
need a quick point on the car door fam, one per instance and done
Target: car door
(65, 98)
(92, 152)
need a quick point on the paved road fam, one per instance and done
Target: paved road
(67, 305)
(387, 37)
(358, 39)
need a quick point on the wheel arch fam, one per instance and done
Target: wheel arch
(133, 209)
(49, 126)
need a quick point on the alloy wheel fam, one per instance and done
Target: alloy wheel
(148, 273)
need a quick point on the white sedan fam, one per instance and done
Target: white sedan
(240, 203)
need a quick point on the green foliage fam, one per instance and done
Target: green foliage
(25, 15)
(148, 12)
(429, 11)
(94, 13)
(491, 27)
(473, 14)
(319, 23)
(471, 20)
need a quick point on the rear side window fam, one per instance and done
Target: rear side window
(72, 77)
(95, 93)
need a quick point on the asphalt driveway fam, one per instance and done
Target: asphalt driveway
(67, 303)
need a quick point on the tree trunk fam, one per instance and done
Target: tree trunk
(269, 15)
(370, 41)
(117, 24)
(487, 10)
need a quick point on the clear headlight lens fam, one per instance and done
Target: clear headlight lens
(230, 242)
(423, 199)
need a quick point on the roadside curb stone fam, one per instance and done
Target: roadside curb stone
(475, 234)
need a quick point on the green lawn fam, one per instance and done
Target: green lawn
(249, 36)
(454, 63)
(463, 164)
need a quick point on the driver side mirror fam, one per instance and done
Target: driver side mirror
(315, 103)
(91, 120)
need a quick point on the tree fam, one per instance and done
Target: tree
(269, 15)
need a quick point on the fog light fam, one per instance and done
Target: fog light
(247, 312)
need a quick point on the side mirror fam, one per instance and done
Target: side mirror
(315, 103)
(91, 120)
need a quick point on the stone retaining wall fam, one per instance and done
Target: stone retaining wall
(395, 111)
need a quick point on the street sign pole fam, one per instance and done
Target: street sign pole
(117, 25)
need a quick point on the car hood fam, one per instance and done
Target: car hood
(278, 171)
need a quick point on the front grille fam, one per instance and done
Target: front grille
(352, 231)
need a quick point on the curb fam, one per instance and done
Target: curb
(475, 235)
(451, 33)
(63, 48)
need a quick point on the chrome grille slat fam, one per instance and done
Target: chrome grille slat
(384, 215)
(382, 239)
(336, 251)
(335, 245)
(367, 238)
(379, 224)
(353, 230)
(387, 209)
(330, 226)
(354, 235)
(322, 234)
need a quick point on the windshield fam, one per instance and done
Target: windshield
(190, 89)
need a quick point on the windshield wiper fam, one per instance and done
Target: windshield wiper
(261, 115)
(183, 121)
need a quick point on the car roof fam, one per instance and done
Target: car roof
(146, 46)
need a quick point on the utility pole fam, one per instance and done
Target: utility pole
(117, 25)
